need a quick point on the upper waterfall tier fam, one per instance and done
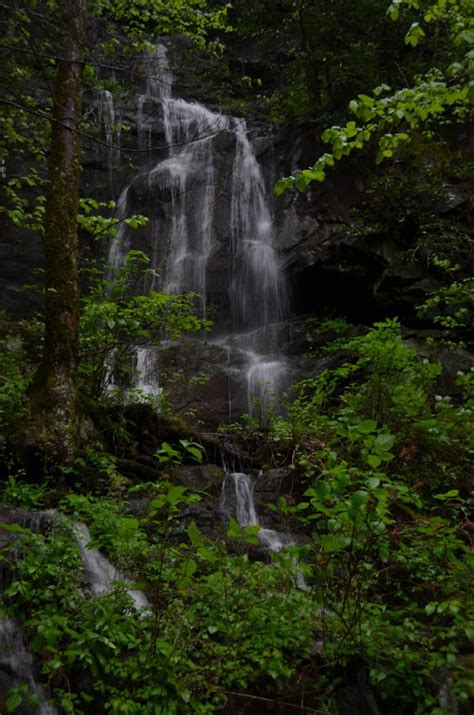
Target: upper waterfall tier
(211, 228)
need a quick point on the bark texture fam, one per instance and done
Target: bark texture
(53, 396)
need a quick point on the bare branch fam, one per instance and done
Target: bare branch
(49, 117)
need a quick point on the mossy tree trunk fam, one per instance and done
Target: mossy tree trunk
(53, 396)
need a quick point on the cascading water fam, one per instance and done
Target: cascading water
(257, 289)
(237, 501)
(120, 246)
(237, 498)
(100, 572)
(18, 665)
(111, 127)
(18, 669)
(148, 379)
(107, 115)
(185, 185)
(266, 379)
(188, 177)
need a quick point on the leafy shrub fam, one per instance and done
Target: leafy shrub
(19, 493)
(116, 320)
(13, 381)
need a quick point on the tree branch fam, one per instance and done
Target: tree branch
(49, 117)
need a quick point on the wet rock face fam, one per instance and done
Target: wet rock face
(21, 254)
(203, 381)
(331, 266)
(202, 478)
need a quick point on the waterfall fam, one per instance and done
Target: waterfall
(18, 667)
(238, 501)
(111, 127)
(101, 574)
(106, 111)
(18, 664)
(147, 380)
(120, 246)
(257, 290)
(188, 178)
(184, 187)
(238, 498)
(266, 379)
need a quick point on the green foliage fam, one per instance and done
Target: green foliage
(100, 226)
(387, 471)
(395, 391)
(167, 455)
(313, 57)
(13, 382)
(19, 493)
(23, 210)
(380, 468)
(439, 96)
(115, 320)
(197, 646)
(452, 306)
(141, 20)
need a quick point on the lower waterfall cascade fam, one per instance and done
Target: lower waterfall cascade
(237, 501)
(17, 664)
(100, 573)
(184, 199)
(17, 661)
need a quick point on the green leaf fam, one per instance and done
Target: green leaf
(15, 528)
(252, 530)
(234, 530)
(331, 544)
(351, 129)
(367, 426)
(384, 442)
(469, 631)
(452, 494)
(13, 701)
(358, 500)
(194, 534)
(374, 460)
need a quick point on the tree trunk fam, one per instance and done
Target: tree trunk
(53, 395)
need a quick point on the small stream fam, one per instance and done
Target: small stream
(237, 501)
(17, 669)
(101, 574)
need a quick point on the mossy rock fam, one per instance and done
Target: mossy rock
(202, 478)
(137, 429)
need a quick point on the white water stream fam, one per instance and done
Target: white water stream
(17, 665)
(100, 573)
(17, 662)
(237, 501)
